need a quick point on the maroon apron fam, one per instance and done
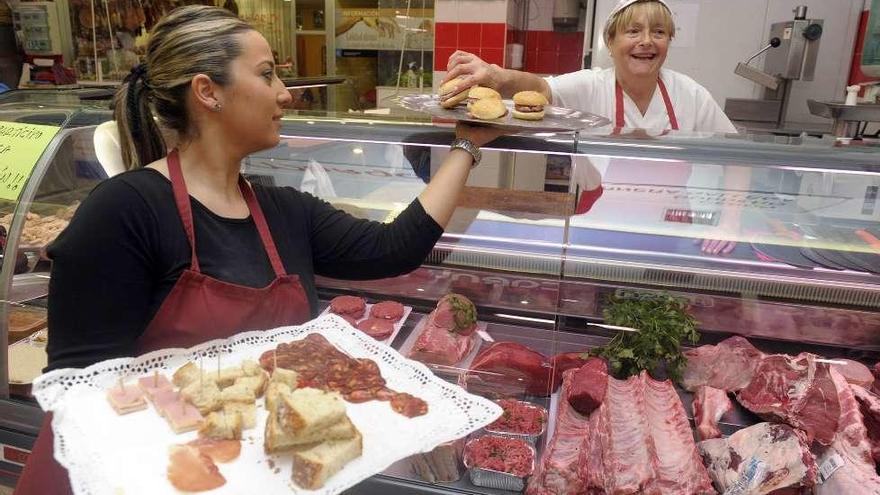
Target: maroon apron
(679, 173)
(198, 308)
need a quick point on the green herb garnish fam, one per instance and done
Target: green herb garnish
(663, 323)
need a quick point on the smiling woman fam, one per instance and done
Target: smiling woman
(128, 276)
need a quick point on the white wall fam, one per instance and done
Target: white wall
(728, 32)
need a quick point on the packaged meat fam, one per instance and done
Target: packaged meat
(589, 384)
(778, 451)
(511, 368)
(499, 462)
(442, 465)
(520, 419)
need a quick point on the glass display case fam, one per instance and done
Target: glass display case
(743, 235)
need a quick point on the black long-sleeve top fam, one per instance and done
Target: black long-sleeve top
(125, 248)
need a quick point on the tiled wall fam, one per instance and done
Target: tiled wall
(550, 52)
(485, 27)
(485, 39)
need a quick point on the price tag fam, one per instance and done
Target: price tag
(829, 466)
(21, 145)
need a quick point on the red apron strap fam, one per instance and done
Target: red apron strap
(262, 226)
(181, 197)
(669, 110)
(619, 121)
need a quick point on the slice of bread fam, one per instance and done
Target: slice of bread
(287, 377)
(239, 392)
(204, 394)
(312, 467)
(257, 383)
(276, 439)
(222, 425)
(126, 399)
(247, 410)
(186, 374)
(226, 376)
(251, 367)
(182, 416)
(274, 392)
(310, 409)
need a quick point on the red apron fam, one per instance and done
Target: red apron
(198, 308)
(636, 168)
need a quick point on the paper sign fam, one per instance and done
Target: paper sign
(21, 145)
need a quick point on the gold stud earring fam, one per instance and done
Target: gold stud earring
(217, 107)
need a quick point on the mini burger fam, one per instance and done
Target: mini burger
(529, 105)
(488, 109)
(480, 93)
(451, 94)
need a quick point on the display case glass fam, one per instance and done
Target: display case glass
(773, 241)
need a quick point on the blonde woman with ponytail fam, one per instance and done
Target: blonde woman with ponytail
(180, 249)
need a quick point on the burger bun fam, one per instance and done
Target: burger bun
(528, 115)
(488, 109)
(530, 99)
(448, 88)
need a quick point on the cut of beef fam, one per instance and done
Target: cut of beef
(855, 372)
(709, 405)
(798, 391)
(640, 441)
(857, 475)
(438, 345)
(557, 473)
(589, 384)
(514, 365)
(563, 362)
(869, 406)
(876, 372)
(782, 451)
(728, 366)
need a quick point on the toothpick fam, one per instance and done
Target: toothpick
(121, 386)
(218, 365)
(201, 373)
(155, 378)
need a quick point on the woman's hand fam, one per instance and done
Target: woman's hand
(473, 70)
(477, 134)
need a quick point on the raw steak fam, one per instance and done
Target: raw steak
(728, 366)
(782, 450)
(440, 346)
(515, 366)
(557, 473)
(857, 475)
(855, 372)
(640, 441)
(869, 406)
(798, 391)
(709, 405)
(563, 362)
(589, 384)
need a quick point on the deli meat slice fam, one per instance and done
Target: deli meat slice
(709, 405)
(798, 391)
(857, 475)
(640, 441)
(728, 366)
(782, 450)
(557, 473)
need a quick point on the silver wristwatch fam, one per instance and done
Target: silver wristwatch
(470, 147)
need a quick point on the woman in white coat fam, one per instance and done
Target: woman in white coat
(636, 93)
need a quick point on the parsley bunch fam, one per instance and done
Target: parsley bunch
(663, 324)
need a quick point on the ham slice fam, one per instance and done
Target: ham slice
(153, 384)
(192, 471)
(709, 405)
(217, 449)
(126, 399)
